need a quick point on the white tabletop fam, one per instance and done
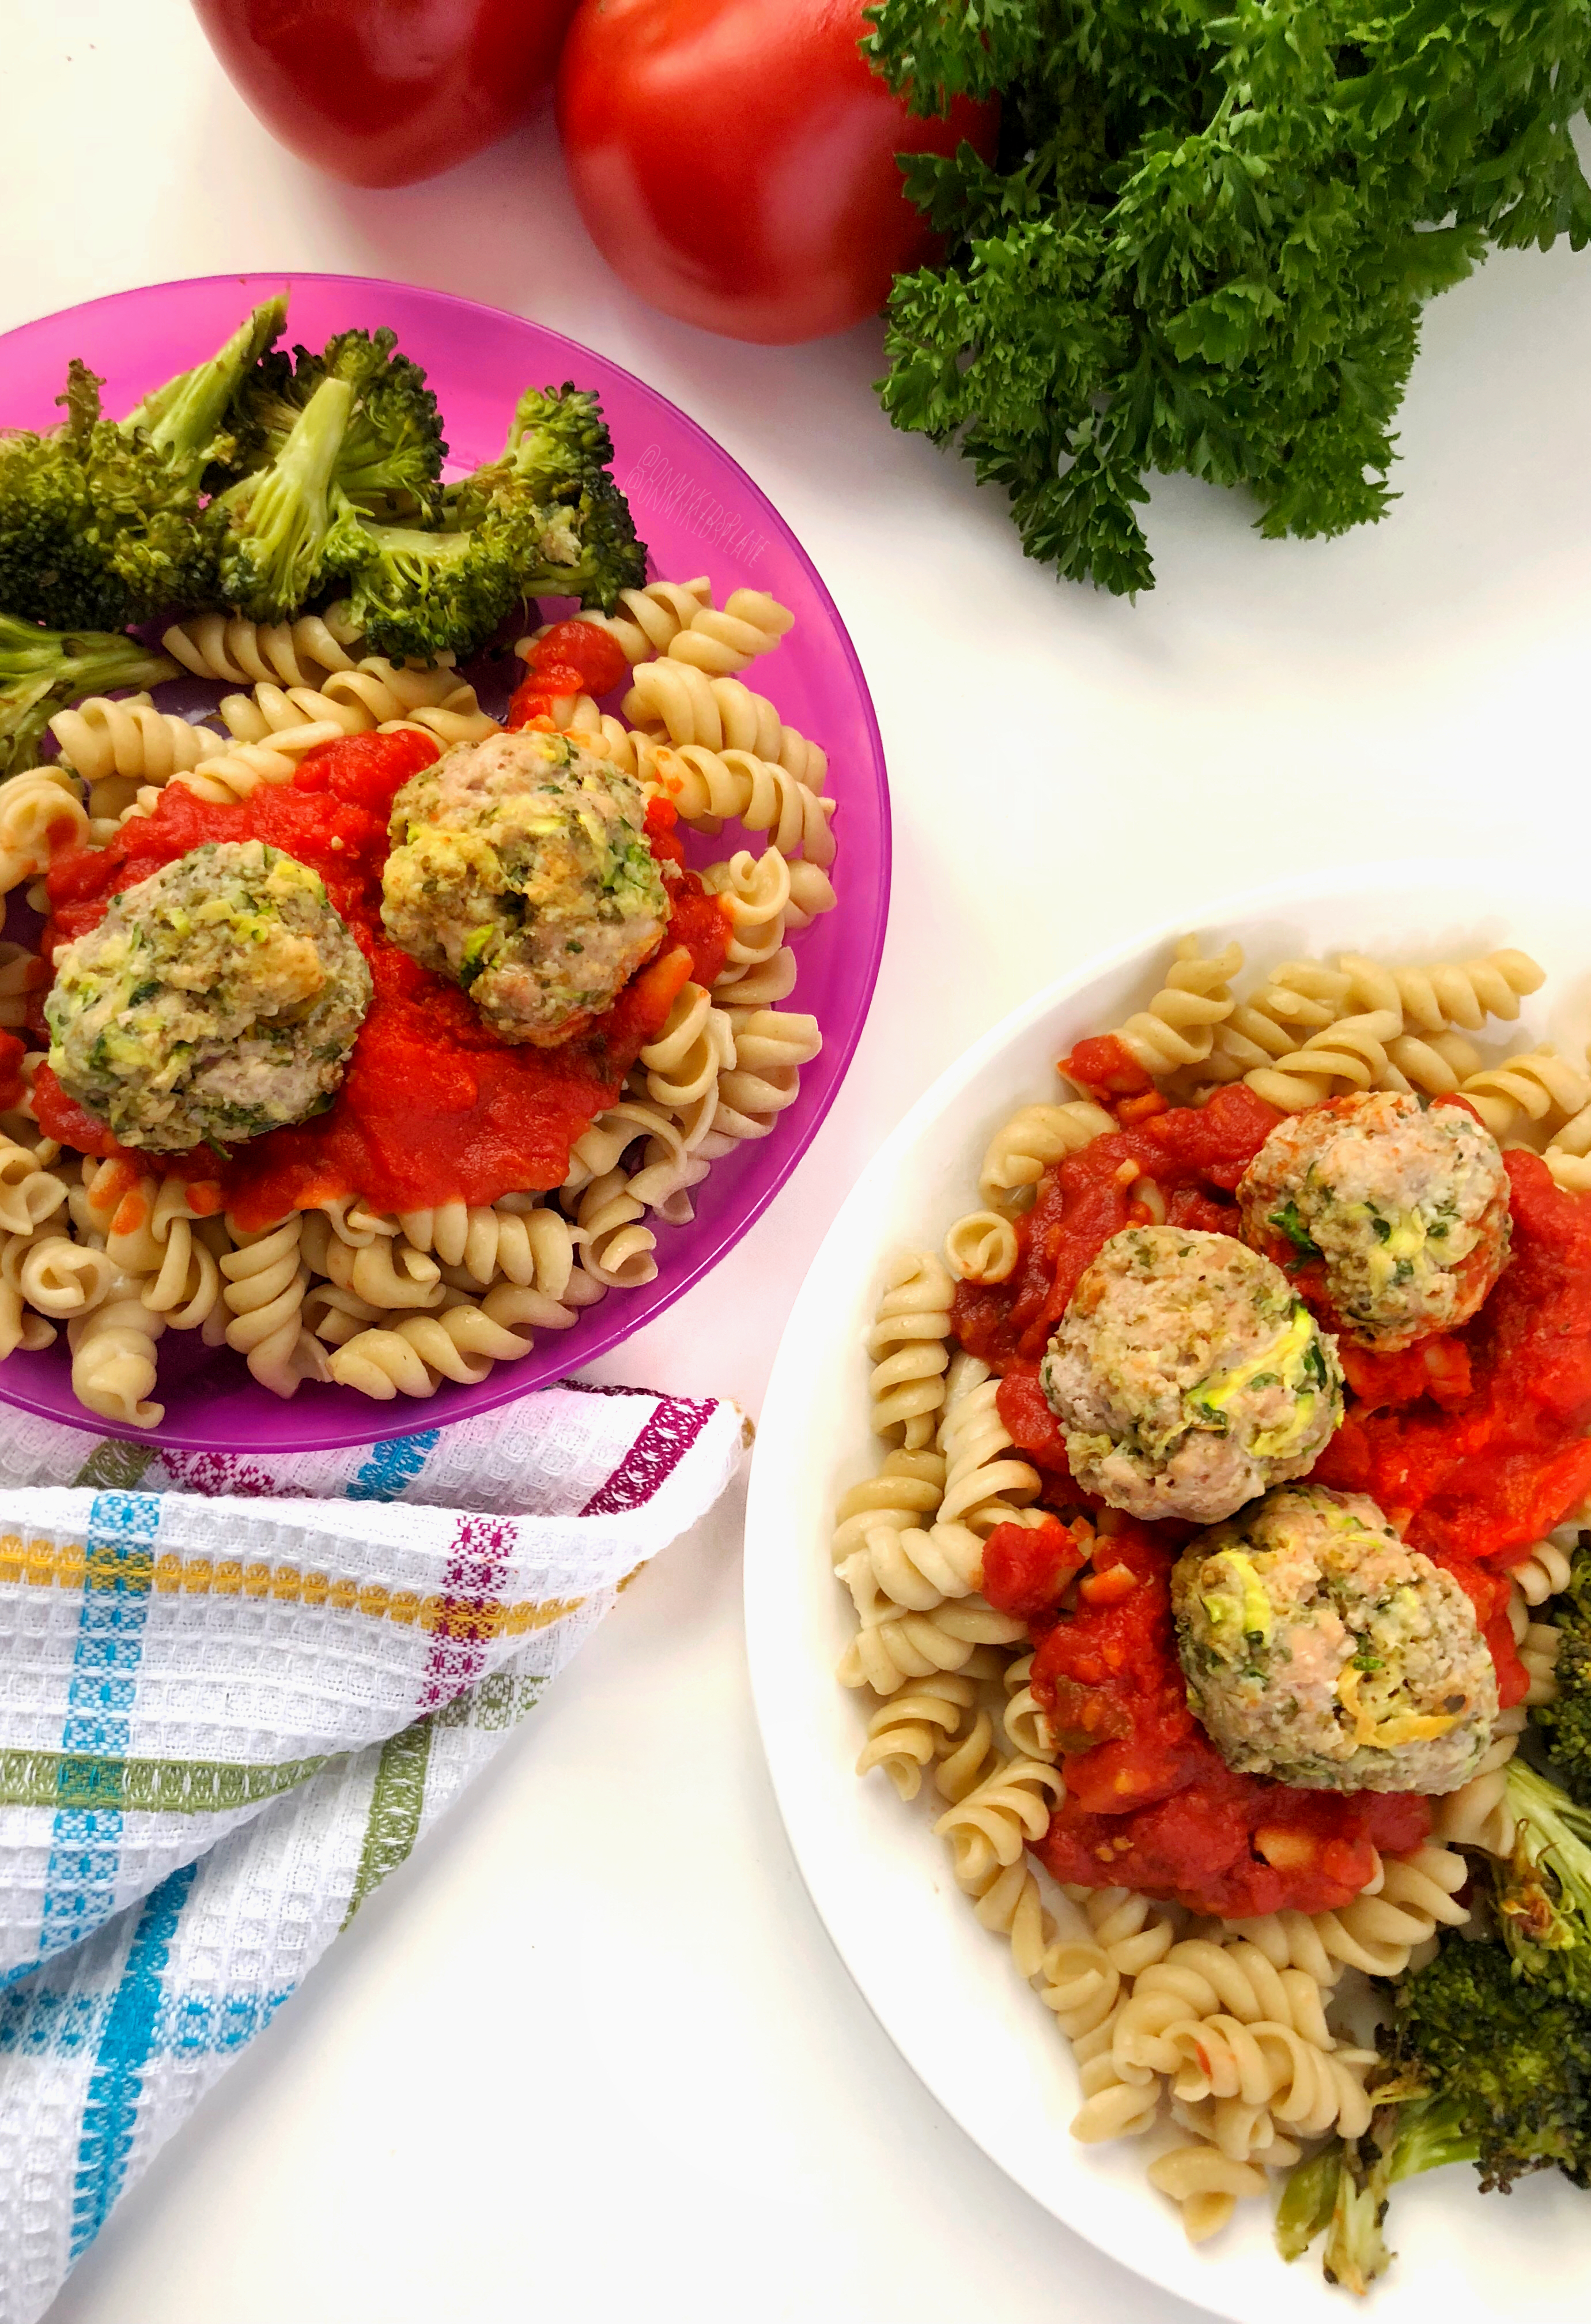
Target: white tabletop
(589, 2054)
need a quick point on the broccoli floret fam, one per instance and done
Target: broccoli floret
(557, 459)
(1543, 1892)
(1484, 2066)
(1566, 1720)
(98, 529)
(99, 519)
(282, 534)
(420, 594)
(187, 420)
(41, 670)
(390, 466)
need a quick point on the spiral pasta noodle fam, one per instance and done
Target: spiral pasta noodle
(983, 1486)
(885, 1654)
(648, 620)
(710, 788)
(722, 640)
(907, 1345)
(676, 702)
(413, 1357)
(41, 815)
(908, 1733)
(241, 652)
(1349, 1054)
(266, 1280)
(128, 736)
(1433, 999)
(1524, 1091)
(113, 1347)
(1024, 1148)
(980, 1247)
(905, 1492)
(616, 1250)
(1178, 1028)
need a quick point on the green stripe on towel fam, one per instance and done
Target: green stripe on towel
(62, 1779)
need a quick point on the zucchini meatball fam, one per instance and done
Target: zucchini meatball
(1404, 1207)
(521, 869)
(1188, 1376)
(1320, 1650)
(217, 1000)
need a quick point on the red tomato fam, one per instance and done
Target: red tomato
(734, 159)
(383, 92)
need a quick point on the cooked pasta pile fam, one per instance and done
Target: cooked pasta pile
(394, 1305)
(1224, 2043)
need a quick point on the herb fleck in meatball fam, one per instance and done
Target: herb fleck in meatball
(217, 1000)
(1188, 1376)
(519, 868)
(1404, 1208)
(1320, 1650)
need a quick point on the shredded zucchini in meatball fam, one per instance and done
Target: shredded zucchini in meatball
(217, 1000)
(1404, 1208)
(521, 869)
(1320, 1650)
(1188, 1375)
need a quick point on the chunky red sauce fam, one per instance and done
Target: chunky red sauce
(1474, 1444)
(435, 1108)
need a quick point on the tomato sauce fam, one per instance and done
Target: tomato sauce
(433, 1108)
(1474, 1442)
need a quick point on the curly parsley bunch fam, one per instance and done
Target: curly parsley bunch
(1208, 237)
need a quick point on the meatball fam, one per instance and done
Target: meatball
(1320, 1650)
(521, 869)
(217, 1000)
(1188, 1376)
(1405, 1209)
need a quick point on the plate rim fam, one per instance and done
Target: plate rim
(872, 913)
(777, 1447)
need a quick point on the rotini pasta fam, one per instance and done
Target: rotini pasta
(413, 1357)
(1020, 1152)
(711, 788)
(266, 1280)
(650, 619)
(113, 1350)
(105, 736)
(1178, 1028)
(907, 1344)
(676, 703)
(1431, 999)
(41, 815)
(241, 652)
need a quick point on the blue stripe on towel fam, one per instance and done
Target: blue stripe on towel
(392, 1465)
(111, 2111)
(86, 1843)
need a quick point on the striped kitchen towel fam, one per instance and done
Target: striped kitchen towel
(234, 1692)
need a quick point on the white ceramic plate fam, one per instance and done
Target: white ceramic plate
(943, 1988)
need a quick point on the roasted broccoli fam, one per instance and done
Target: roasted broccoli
(1543, 1892)
(187, 420)
(425, 594)
(390, 466)
(544, 518)
(558, 460)
(41, 670)
(284, 532)
(1566, 1720)
(99, 519)
(1486, 2067)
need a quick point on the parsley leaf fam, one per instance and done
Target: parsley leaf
(1206, 238)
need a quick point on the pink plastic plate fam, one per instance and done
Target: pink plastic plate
(701, 513)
